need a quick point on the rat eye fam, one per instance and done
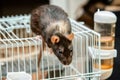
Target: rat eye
(60, 51)
(71, 50)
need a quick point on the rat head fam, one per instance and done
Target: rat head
(62, 47)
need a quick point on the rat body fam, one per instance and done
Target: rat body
(52, 23)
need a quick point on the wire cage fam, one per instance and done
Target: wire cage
(19, 50)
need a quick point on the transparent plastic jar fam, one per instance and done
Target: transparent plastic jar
(107, 62)
(104, 23)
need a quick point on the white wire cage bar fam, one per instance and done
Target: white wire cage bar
(19, 51)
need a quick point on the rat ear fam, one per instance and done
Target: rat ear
(55, 39)
(70, 36)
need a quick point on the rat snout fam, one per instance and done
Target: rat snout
(67, 61)
(63, 57)
(64, 62)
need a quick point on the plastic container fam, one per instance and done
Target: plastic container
(0, 71)
(104, 23)
(107, 57)
(18, 76)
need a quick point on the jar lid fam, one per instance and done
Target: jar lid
(107, 54)
(104, 54)
(105, 17)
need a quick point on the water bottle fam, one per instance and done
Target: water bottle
(104, 23)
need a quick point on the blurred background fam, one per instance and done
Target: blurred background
(80, 10)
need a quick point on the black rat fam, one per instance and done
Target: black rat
(52, 23)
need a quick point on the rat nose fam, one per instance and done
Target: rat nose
(64, 62)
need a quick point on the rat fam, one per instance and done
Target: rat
(53, 25)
